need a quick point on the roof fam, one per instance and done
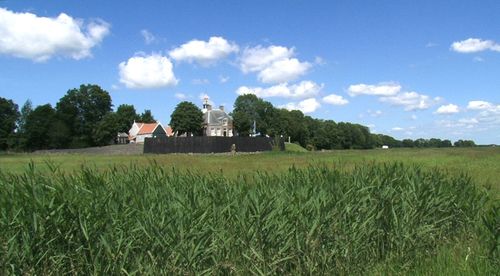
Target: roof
(147, 128)
(215, 116)
(122, 134)
(169, 131)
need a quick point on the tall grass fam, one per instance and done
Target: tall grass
(152, 220)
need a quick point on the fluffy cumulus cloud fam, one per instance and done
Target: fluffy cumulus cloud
(274, 64)
(410, 101)
(26, 35)
(479, 105)
(473, 45)
(447, 109)
(204, 52)
(306, 106)
(144, 72)
(335, 100)
(381, 89)
(303, 89)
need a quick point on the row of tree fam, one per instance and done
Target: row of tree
(253, 115)
(83, 117)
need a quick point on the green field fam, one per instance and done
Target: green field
(483, 164)
(419, 211)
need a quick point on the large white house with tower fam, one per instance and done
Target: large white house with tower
(216, 122)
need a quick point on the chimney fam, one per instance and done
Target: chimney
(221, 107)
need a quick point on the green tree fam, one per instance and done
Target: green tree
(186, 118)
(106, 130)
(125, 116)
(38, 127)
(248, 109)
(81, 110)
(9, 114)
(147, 117)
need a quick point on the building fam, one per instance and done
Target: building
(122, 138)
(139, 131)
(216, 122)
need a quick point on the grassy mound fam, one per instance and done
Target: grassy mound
(160, 221)
(292, 147)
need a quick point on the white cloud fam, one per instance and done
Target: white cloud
(223, 79)
(204, 52)
(306, 106)
(381, 89)
(180, 96)
(473, 45)
(143, 72)
(148, 37)
(410, 101)
(468, 121)
(26, 35)
(258, 58)
(447, 109)
(200, 81)
(478, 59)
(479, 105)
(283, 71)
(274, 64)
(397, 129)
(413, 117)
(335, 100)
(376, 113)
(303, 89)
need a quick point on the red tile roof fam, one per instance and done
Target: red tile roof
(169, 131)
(147, 128)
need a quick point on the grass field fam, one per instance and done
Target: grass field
(418, 211)
(483, 164)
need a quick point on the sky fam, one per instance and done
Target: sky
(409, 69)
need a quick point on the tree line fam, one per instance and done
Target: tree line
(83, 117)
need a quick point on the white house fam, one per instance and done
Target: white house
(139, 131)
(216, 122)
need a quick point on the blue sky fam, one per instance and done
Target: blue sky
(409, 69)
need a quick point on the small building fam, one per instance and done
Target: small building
(385, 147)
(216, 122)
(139, 131)
(122, 138)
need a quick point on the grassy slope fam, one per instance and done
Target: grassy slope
(483, 164)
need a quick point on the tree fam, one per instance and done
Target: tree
(38, 127)
(464, 143)
(125, 116)
(26, 109)
(248, 109)
(81, 110)
(106, 130)
(186, 118)
(9, 114)
(147, 117)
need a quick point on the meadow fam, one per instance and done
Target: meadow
(418, 211)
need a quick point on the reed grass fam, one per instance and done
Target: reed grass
(156, 220)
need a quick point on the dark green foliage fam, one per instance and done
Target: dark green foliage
(106, 130)
(8, 117)
(152, 220)
(81, 110)
(126, 115)
(186, 118)
(147, 117)
(464, 143)
(39, 127)
(248, 109)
